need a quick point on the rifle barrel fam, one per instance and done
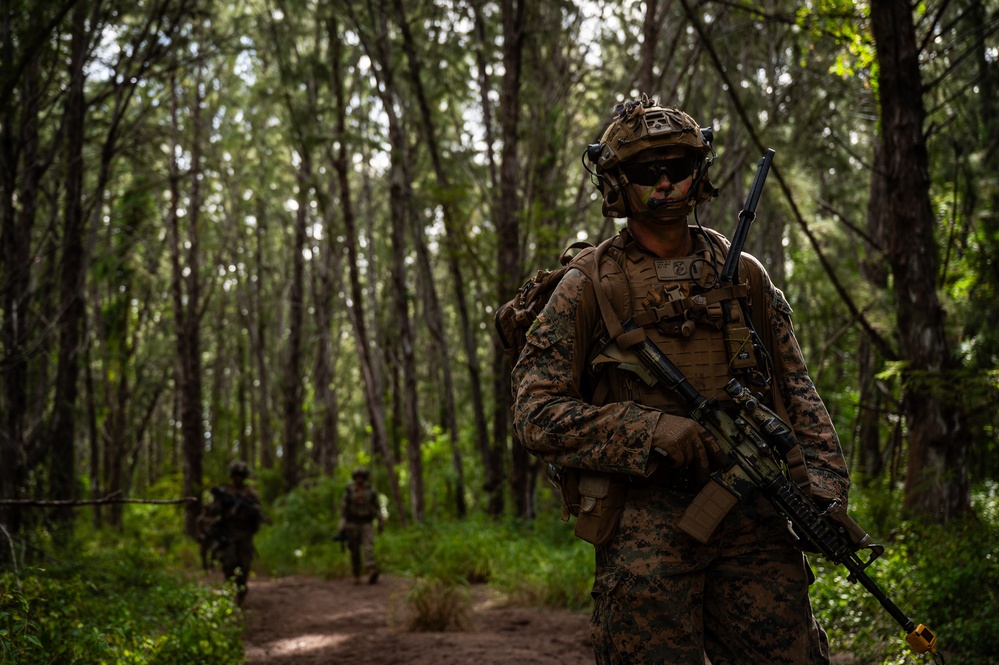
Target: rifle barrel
(746, 217)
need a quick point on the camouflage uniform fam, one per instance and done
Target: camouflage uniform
(661, 596)
(359, 508)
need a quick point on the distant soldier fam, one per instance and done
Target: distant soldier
(358, 510)
(237, 515)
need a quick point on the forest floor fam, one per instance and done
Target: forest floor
(311, 621)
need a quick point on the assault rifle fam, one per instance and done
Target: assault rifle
(756, 442)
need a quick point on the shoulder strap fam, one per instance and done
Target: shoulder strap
(614, 328)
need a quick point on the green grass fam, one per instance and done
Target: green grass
(119, 607)
(127, 598)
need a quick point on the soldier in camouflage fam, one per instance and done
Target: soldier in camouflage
(359, 509)
(236, 516)
(581, 404)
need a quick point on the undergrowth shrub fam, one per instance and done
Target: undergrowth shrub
(532, 564)
(119, 607)
(945, 577)
(435, 605)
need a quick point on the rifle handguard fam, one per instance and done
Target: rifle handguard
(848, 527)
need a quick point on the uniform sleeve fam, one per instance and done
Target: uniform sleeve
(551, 416)
(810, 420)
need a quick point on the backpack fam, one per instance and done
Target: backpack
(514, 317)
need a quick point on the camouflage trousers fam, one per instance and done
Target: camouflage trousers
(361, 542)
(741, 599)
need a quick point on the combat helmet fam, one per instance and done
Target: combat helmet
(361, 472)
(640, 127)
(239, 469)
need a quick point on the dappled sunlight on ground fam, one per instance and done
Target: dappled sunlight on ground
(309, 621)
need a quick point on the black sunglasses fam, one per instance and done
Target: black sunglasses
(648, 174)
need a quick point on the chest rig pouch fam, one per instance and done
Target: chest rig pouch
(684, 310)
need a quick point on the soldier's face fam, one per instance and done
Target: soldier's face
(659, 178)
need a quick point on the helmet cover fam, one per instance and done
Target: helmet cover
(641, 126)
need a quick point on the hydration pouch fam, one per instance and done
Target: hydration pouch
(600, 507)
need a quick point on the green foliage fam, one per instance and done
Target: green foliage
(299, 538)
(159, 527)
(118, 607)
(946, 577)
(537, 564)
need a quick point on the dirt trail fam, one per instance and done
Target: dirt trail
(308, 621)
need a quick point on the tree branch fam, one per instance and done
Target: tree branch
(880, 342)
(114, 497)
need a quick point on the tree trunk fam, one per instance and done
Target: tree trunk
(400, 211)
(870, 461)
(186, 291)
(651, 26)
(62, 435)
(325, 285)
(937, 486)
(293, 423)
(257, 325)
(366, 359)
(508, 259)
(434, 313)
(489, 451)
(18, 142)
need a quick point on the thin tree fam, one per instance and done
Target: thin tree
(490, 451)
(62, 433)
(434, 311)
(186, 290)
(508, 236)
(379, 50)
(367, 360)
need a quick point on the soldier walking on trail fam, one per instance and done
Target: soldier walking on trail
(236, 516)
(359, 508)
(636, 458)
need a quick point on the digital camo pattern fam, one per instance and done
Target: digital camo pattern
(552, 418)
(808, 415)
(659, 595)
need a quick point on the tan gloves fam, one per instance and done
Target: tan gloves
(683, 442)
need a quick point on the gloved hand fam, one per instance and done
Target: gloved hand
(684, 443)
